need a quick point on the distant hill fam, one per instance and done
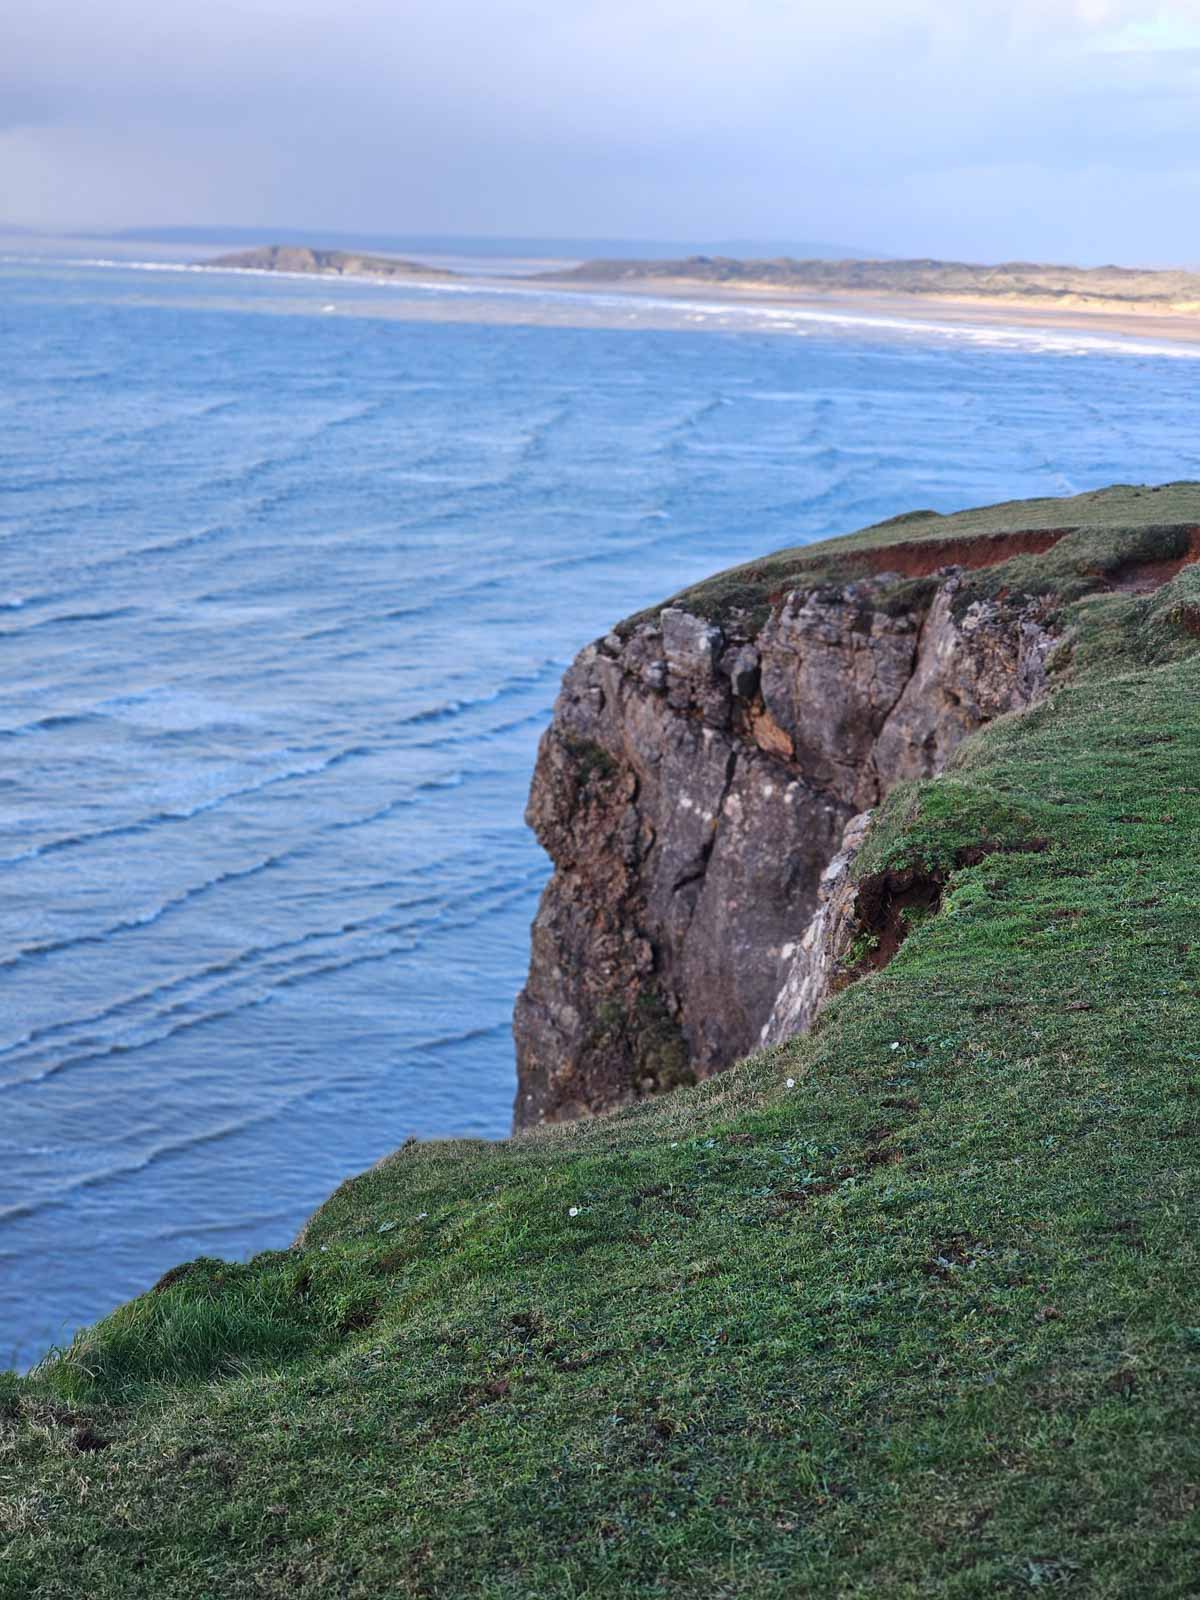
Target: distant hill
(1128, 288)
(325, 263)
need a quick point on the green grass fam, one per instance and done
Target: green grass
(925, 1323)
(1107, 528)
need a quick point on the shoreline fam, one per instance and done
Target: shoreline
(693, 301)
(959, 310)
(684, 304)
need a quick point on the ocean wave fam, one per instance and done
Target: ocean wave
(62, 1193)
(680, 431)
(537, 436)
(222, 880)
(449, 1041)
(516, 684)
(273, 967)
(450, 741)
(186, 989)
(396, 805)
(68, 619)
(169, 818)
(147, 919)
(52, 723)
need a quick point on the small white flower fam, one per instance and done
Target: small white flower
(421, 1215)
(790, 1084)
(573, 1211)
(896, 1044)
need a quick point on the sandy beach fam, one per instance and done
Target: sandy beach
(962, 311)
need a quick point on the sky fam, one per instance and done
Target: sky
(978, 129)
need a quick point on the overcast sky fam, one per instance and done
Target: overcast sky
(978, 128)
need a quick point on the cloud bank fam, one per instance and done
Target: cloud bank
(1065, 128)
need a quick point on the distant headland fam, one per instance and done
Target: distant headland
(324, 263)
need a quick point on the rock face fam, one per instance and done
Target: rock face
(700, 792)
(809, 980)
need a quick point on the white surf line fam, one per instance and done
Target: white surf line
(1059, 341)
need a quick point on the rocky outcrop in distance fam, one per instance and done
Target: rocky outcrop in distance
(702, 791)
(324, 263)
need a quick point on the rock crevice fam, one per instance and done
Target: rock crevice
(702, 790)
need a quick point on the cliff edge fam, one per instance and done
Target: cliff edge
(904, 1306)
(707, 777)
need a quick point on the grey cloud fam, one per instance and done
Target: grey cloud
(683, 117)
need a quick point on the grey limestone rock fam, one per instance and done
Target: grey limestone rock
(701, 794)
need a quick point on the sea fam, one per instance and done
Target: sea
(289, 572)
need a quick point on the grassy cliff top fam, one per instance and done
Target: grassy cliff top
(1121, 506)
(1059, 546)
(909, 1307)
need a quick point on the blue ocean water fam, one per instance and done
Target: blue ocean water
(285, 594)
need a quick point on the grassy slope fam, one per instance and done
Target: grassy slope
(926, 1322)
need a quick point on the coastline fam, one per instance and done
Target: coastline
(1059, 308)
(691, 303)
(960, 310)
(676, 304)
